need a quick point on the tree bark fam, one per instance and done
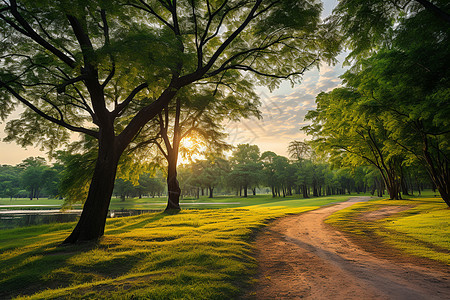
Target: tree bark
(305, 191)
(173, 187)
(211, 191)
(438, 171)
(91, 224)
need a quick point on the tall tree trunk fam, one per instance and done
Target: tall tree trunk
(305, 191)
(211, 190)
(315, 194)
(439, 173)
(245, 191)
(403, 182)
(393, 188)
(173, 187)
(91, 224)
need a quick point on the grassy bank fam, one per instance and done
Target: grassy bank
(195, 254)
(418, 226)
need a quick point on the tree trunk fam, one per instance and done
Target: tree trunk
(393, 188)
(305, 191)
(439, 174)
(245, 192)
(91, 225)
(403, 182)
(173, 187)
(254, 191)
(211, 190)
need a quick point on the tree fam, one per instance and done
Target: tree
(81, 66)
(267, 159)
(370, 24)
(343, 129)
(123, 188)
(246, 167)
(32, 178)
(9, 181)
(302, 153)
(213, 170)
(152, 184)
(412, 105)
(196, 116)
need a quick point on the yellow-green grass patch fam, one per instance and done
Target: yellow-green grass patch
(422, 229)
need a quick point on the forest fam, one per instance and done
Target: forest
(245, 171)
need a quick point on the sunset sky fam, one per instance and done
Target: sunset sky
(283, 113)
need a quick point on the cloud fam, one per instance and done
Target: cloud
(284, 111)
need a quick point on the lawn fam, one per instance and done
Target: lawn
(421, 230)
(159, 203)
(195, 254)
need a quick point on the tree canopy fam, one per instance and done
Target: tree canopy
(82, 66)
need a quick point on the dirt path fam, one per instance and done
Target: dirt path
(301, 257)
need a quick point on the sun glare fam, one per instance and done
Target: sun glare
(191, 151)
(187, 143)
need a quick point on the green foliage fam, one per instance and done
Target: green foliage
(373, 24)
(32, 178)
(246, 169)
(77, 174)
(9, 181)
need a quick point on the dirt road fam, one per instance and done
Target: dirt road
(301, 257)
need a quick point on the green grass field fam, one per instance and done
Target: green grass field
(421, 230)
(195, 254)
(159, 203)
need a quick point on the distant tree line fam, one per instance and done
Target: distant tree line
(33, 179)
(246, 171)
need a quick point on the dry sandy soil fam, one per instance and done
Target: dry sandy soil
(301, 257)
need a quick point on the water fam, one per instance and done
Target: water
(13, 220)
(21, 218)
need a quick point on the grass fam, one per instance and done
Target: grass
(26, 201)
(422, 230)
(159, 203)
(195, 254)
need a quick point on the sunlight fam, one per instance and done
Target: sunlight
(187, 143)
(190, 150)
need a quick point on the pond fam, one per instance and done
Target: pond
(19, 218)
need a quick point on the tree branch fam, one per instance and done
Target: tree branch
(120, 107)
(47, 117)
(37, 38)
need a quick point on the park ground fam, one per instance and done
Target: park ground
(201, 254)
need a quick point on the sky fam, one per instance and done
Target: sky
(283, 111)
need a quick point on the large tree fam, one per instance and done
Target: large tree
(348, 133)
(406, 86)
(196, 115)
(79, 66)
(368, 25)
